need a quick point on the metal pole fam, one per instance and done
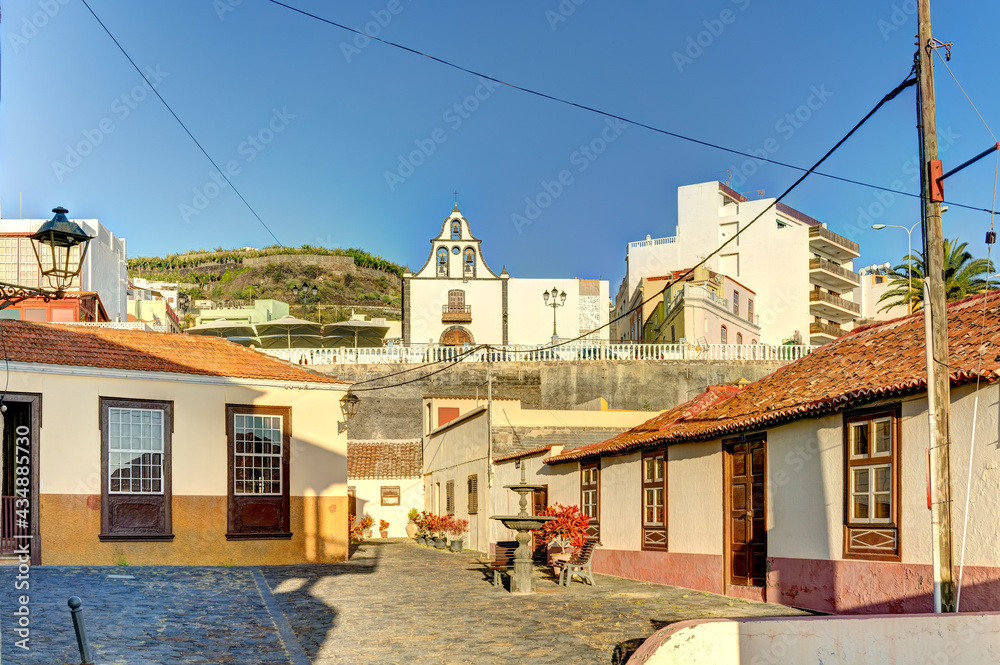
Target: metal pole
(934, 308)
(554, 334)
(81, 630)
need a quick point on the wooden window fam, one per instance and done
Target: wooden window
(724, 335)
(259, 441)
(456, 300)
(590, 496)
(449, 501)
(654, 501)
(750, 310)
(390, 496)
(739, 338)
(736, 303)
(472, 486)
(871, 484)
(135, 469)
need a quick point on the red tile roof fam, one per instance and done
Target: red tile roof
(385, 459)
(875, 362)
(53, 344)
(650, 430)
(522, 453)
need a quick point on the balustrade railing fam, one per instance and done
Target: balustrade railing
(417, 354)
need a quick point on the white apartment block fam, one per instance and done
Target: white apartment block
(801, 271)
(103, 270)
(456, 299)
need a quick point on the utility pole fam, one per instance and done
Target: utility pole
(936, 326)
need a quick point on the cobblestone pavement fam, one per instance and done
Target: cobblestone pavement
(394, 602)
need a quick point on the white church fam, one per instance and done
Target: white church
(455, 299)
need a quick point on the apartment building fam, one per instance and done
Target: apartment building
(801, 272)
(103, 272)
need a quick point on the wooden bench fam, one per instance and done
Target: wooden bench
(579, 564)
(503, 559)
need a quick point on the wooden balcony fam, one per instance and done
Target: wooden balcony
(827, 242)
(831, 307)
(833, 276)
(453, 314)
(821, 333)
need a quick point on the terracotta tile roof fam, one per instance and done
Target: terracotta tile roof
(522, 453)
(53, 344)
(875, 362)
(385, 459)
(650, 430)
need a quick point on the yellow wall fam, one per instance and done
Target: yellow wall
(70, 471)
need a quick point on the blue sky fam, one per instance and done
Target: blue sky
(311, 121)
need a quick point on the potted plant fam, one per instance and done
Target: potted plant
(440, 523)
(420, 522)
(569, 527)
(455, 529)
(358, 529)
(383, 528)
(411, 525)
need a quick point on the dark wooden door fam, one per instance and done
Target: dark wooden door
(539, 502)
(456, 337)
(456, 300)
(352, 501)
(746, 509)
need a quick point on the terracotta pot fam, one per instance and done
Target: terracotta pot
(411, 529)
(384, 534)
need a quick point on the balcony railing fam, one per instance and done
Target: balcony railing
(831, 267)
(604, 351)
(456, 314)
(819, 328)
(830, 236)
(836, 301)
(653, 242)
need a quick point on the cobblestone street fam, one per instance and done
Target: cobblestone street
(394, 602)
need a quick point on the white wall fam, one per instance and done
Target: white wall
(368, 496)
(104, 269)
(427, 296)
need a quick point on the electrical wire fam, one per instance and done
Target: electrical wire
(975, 405)
(457, 358)
(907, 82)
(181, 123)
(945, 63)
(607, 114)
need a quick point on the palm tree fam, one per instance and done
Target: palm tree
(964, 276)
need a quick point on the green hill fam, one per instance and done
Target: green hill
(345, 279)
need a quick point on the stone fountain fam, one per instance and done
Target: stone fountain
(522, 581)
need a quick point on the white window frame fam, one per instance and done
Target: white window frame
(237, 456)
(112, 450)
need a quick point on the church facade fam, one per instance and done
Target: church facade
(455, 299)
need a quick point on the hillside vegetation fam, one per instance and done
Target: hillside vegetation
(220, 275)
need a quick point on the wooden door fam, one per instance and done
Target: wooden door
(540, 501)
(456, 300)
(746, 509)
(352, 501)
(456, 337)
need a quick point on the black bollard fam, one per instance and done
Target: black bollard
(81, 630)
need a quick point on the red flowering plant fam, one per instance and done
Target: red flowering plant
(421, 520)
(383, 526)
(358, 529)
(455, 527)
(570, 524)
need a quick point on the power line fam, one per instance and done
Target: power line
(607, 114)
(181, 123)
(906, 83)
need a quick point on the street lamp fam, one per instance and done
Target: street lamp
(349, 404)
(909, 251)
(53, 245)
(558, 300)
(305, 291)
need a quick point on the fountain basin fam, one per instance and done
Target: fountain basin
(523, 522)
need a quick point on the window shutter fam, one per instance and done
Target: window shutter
(473, 492)
(450, 497)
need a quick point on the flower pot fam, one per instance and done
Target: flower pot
(421, 539)
(440, 543)
(384, 534)
(411, 529)
(456, 545)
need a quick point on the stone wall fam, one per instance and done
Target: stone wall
(394, 413)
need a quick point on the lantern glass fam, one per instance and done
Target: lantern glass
(349, 404)
(545, 295)
(60, 247)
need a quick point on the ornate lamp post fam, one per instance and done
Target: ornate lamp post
(349, 404)
(306, 290)
(54, 245)
(558, 300)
